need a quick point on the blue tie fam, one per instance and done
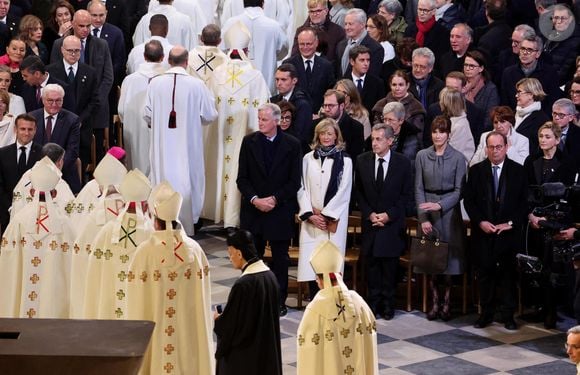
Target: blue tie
(359, 85)
(495, 180)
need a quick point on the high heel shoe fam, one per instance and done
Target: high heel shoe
(434, 313)
(445, 313)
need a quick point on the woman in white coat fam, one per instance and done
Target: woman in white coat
(324, 196)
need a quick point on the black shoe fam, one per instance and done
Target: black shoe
(510, 324)
(283, 310)
(388, 314)
(483, 321)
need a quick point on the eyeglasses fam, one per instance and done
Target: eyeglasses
(471, 66)
(574, 92)
(527, 51)
(53, 101)
(390, 120)
(573, 346)
(420, 67)
(424, 11)
(515, 42)
(329, 105)
(559, 116)
(560, 18)
(316, 11)
(496, 147)
(73, 51)
(522, 92)
(286, 118)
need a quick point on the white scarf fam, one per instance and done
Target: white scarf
(522, 113)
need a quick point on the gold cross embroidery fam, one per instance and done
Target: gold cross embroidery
(245, 102)
(329, 335)
(230, 120)
(124, 258)
(119, 312)
(76, 248)
(349, 370)
(37, 244)
(156, 275)
(206, 271)
(120, 294)
(172, 275)
(347, 350)
(171, 293)
(98, 253)
(231, 101)
(170, 312)
(80, 208)
(229, 139)
(5, 241)
(130, 276)
(64, 247)
(345, 332)
(34, 278)
(370, 328)
(143, 276)
(36, 261)
(108, 254)
(122, 276)
(300, 340)
(255, 103)
(169, 349)
(316, 339)
(225, 197)
(53, 245)
(31, 312)
(169, 330)
(219, 99)
(88, 249)
(22, 242)
(359, 328)
(32, 295)
(187, 274)
(168, 367)
(200, 274)
(69, 207)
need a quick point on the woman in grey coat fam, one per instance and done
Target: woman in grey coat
(439, 174)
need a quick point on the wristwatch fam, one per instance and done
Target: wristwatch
(511, 223)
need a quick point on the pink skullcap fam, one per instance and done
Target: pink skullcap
(117, 152)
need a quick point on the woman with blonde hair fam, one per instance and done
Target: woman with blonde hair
(529, 114)
(353, 104)
(7, 133)
(453, 106)
(17, 106)
(31, 29)
(324, 196)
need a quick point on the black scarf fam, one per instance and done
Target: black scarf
(336, 171)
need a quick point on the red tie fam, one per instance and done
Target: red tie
(48, 128)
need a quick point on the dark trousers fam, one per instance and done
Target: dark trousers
(99, 140)
(280, 261)
(492, 276)
(382, 282)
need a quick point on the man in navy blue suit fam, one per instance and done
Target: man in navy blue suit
(57, 125)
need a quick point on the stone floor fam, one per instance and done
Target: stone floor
(410, 344)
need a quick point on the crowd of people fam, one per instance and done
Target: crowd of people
(260, 113)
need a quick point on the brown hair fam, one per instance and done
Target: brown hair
(502, 113)
(441, 123)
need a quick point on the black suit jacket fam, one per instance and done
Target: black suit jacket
(437, 39)
(352, 133)
(390, 240)
(434, 87)
(529, 128)
(322, 78)
(511, 205)
(572, 143)
(377, 56)
(373, 90)
(29, 95)
(302, 122)
(9, 176)
(282, 181)
(66, 133)
(115, 39)
(118, 15)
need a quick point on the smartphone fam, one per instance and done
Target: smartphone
(219, 309)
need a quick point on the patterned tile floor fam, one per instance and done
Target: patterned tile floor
(409, 344)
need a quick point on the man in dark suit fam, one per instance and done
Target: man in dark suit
(352, 130)
(428, 32)
(82, 80)
(383, 186)
(460, 39)
(425, 86)
(355, 23)
(62, 127)
(495, 200)
(36, 77)
(8, 25)
(563, 114)
(495, 36)
(270, 168)
(96, 54)
(371, 88)
(14, 161)
(118, 15)
(286, 84)
(315, 73)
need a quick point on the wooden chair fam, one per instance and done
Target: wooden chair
(405, 259)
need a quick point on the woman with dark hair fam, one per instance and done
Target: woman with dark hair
(378, 29)
(479, 90)
(14, 55)
(324, 196)
(60, 22)
(440, 171)
(287, 111)
(399, 83)
(403, 58)
(31, 30)
(575, 93)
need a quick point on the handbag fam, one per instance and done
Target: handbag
(429, 254)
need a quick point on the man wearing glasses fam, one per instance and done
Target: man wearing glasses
(530, 66)
(572, 346)
(57, 125)
(83, 87)
(428, 32)
(495, 200)
(563, 114)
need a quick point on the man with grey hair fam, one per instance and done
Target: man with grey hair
(573, 346)
(205, 58)
(132, 104)
(57, 125)
(564, 113)
(426, 31)
(424, 85)
(269, 173)
(382, 204)
(392, 10)
(460, 38)
(355, 23)
(177, 106)
(510, 56)
(530, 66)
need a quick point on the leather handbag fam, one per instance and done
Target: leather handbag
(429, 254)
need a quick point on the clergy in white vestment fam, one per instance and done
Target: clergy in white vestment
(324, 195)
(337, 333)
(269, 42)
(159, 27)
(202, 12)
(22, 193)
(204, 59)
(169, 283)
(278, 10)
(35, 253)
(177, 107)
(183, 30)
(109, 175)
(114, 248)
(136, 134)
(240, 90)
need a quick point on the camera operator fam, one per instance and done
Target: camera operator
(549, 165)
